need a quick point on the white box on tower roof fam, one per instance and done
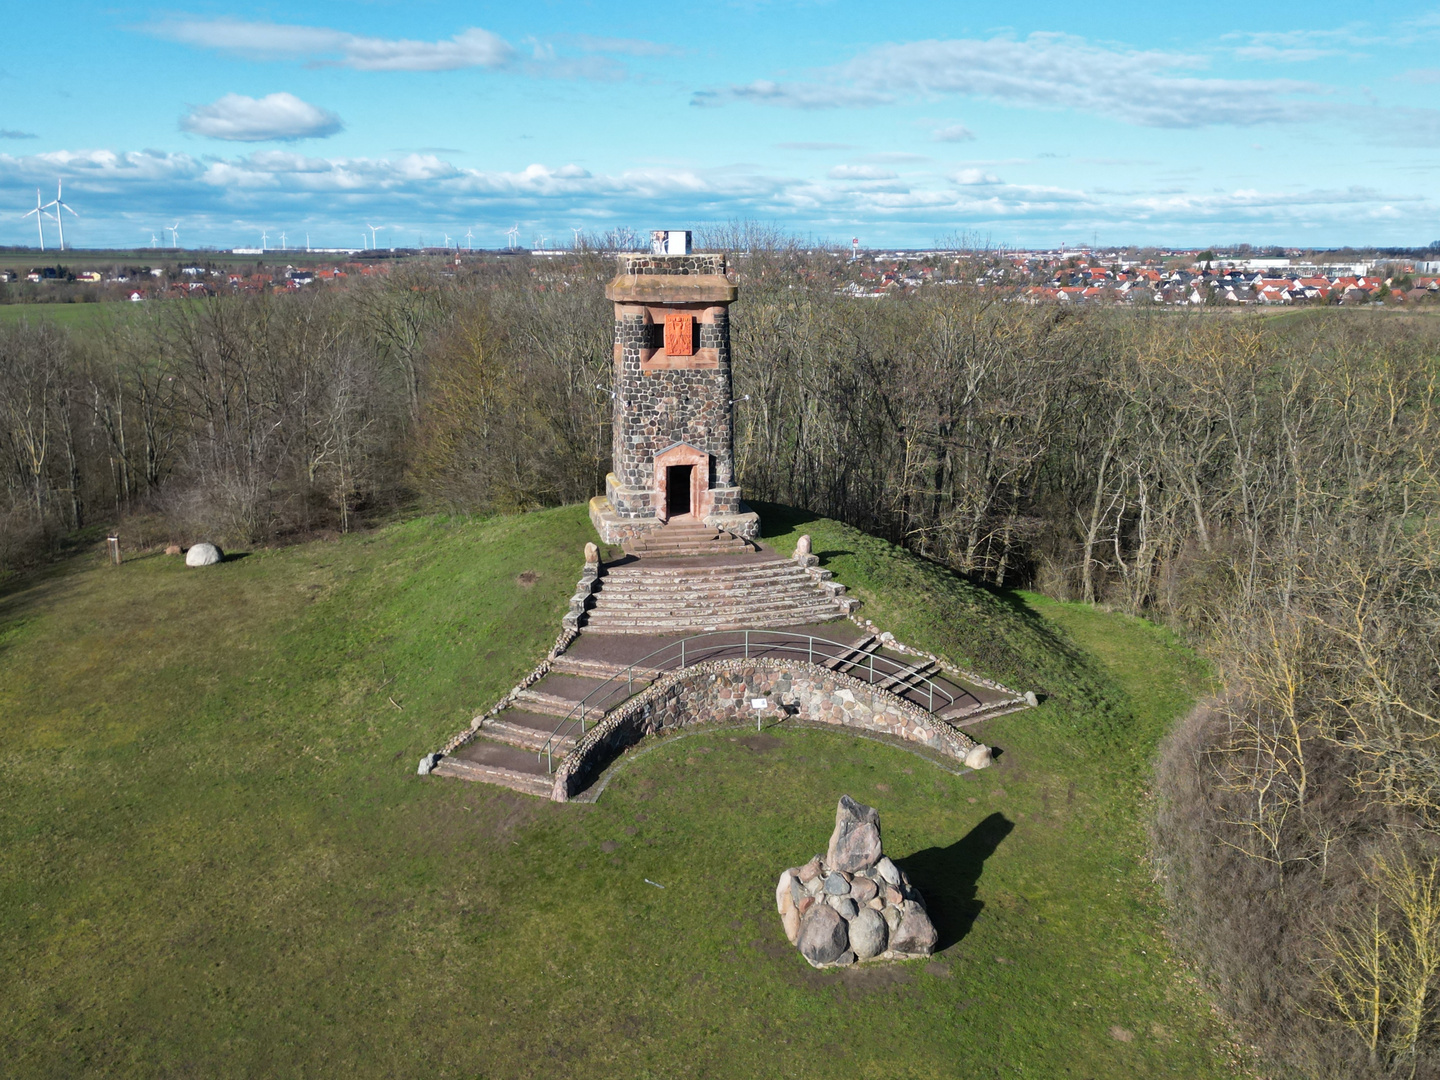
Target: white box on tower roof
(670, 242)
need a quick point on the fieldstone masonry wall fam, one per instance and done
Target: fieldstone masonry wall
(674, 265)
(669, 401)
(723, 690)
(661, 408)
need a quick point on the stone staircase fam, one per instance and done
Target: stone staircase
(651, 596)
(686, 536)
(683, 578)
(504, 750)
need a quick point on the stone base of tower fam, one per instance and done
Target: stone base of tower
(617, 528)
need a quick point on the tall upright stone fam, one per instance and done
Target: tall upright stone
(674, 441)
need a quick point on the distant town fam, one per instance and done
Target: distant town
(1236, 277)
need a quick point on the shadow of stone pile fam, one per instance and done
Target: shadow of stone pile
(854, 904)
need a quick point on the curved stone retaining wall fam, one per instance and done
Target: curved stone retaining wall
(722, 690)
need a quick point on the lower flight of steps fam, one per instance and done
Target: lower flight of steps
(508, 748)
(658, 596)
(686, 536)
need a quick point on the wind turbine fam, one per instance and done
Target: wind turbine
(40, 215)
(282, 241)
(447, 240)
(469, 240)
(264, 239)
(175, 235)
(59, 204)
(373, 230)
(514, 234)
(307, 240)
(154, 240)
(577, 233)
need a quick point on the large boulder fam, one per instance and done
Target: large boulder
(203, 555)
(786, 901)
(868, 934)
(979, 757)
(823, 936)
(855, 843)
(916, 934)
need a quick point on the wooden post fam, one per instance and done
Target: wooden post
(113, 542)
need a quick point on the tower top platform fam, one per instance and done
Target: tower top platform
(672, 279)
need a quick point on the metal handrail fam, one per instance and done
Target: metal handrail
(787, 643)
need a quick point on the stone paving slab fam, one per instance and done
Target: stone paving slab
(542, 722)
(483, 752)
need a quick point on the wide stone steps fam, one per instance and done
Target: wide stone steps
(736, 599)
(686, 539)
(910, 677)
(527, 730)
(650, 597)
(854, 656)
(679, 625)
(600, 669)
(727, 570)
(661, 576)
(769, 611)
(497, 763)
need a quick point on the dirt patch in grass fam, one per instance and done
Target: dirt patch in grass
(761, 743)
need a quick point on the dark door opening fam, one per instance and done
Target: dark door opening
(677, 489)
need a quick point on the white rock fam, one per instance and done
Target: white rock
(203, 555)
(888, 871)
(1031, 699)
(428, 763)
(782, 890)
(802, 546)
(978, 758)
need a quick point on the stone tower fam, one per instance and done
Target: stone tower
(674, 443)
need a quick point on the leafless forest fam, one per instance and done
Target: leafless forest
(1268, 485)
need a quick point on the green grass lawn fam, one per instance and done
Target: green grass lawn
(218, 860)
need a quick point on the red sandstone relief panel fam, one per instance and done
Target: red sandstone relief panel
(680, 334)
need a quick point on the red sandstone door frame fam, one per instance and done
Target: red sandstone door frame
(701, 501)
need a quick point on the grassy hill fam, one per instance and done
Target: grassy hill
(217, 859)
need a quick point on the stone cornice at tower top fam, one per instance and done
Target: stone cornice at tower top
(672, 279)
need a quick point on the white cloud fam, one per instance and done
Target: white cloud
(473, 47)
(1049, 71)
(1302, 46)
(860, 172)
(805, 95)
(238, 118)
(125, 194)
(952, 133)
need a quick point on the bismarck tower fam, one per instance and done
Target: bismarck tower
(674, 427)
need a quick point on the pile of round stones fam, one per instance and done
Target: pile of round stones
(854, 904)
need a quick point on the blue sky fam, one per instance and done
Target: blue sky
(1306, 124)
